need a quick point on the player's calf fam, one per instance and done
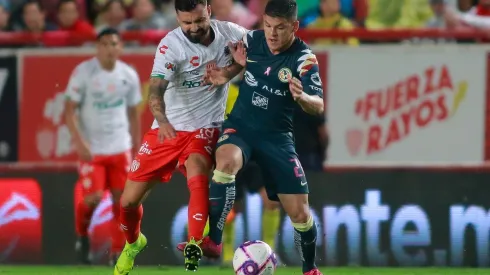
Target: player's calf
(83, 215)
(305, 230)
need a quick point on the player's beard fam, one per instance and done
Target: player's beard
(196, 37)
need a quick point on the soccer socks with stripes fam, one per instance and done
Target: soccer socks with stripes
(117, 234)
(305, 240)
(131, 222)
(270, 225)
(221, 200)
(197, 213)
(83, 216)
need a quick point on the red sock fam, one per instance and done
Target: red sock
(197, 213)
(131, 222)
(83, 215)
(117, 234)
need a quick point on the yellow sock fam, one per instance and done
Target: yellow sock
(228, 242)
(271, 220)
(206, 229)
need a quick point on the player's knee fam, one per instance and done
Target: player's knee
(305, 225)
(94, 199)
(229, 159)
(300, 215)
(228, 165)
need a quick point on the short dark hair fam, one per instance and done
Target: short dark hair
(109, 3)
(62, 2)
(107, 31)
(33, 2)
(287, 9)
(188, 5)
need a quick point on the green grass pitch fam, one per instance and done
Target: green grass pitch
(74, 270)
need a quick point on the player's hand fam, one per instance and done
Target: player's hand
(83, 151)
(239, 52)
(165, 131)
(296, 88)
(215, 76)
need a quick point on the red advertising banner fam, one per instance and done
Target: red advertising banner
(20, 221)
(43, 134)
(100, 226)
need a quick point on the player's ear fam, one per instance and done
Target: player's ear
(209, 10)
(295, 25)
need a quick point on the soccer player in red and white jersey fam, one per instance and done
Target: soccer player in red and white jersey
(105, 92)
(188, 114)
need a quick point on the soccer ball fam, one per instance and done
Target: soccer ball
(254, 258)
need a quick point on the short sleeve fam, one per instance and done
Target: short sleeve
(237, 32)
(248, 38)
(76, 84)
(134, 96)
(309, 74)
(166, 59)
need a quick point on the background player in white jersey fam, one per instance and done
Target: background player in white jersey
(188, 115)
(105, 92)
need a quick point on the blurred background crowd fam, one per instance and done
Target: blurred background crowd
(88, 16)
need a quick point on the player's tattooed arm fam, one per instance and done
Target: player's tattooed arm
(158, 86)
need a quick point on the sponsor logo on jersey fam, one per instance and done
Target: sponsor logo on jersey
(104, 105)
(163, 49)
(260, 100)
(170, 66)
(315, 78)
(192, 84)
(194, 61)
(144, 149)
(315, 88)
(211, 65)
(274, 91)
(284, 75)
(250, 79)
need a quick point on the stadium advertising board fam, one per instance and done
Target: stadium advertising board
(407, 106)
(20, 221)
(369, 217)
(9, 113)
(42, 103)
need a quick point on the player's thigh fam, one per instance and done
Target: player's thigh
(282, 170)
(92, 177)
(155, 160)
(232, 152)
(197, 156)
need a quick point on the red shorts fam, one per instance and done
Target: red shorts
(104, 172)
(157, 161)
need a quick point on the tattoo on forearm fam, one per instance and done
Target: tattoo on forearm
(155, 99)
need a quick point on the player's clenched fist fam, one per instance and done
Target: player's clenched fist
(296, 88)
(165, 131)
